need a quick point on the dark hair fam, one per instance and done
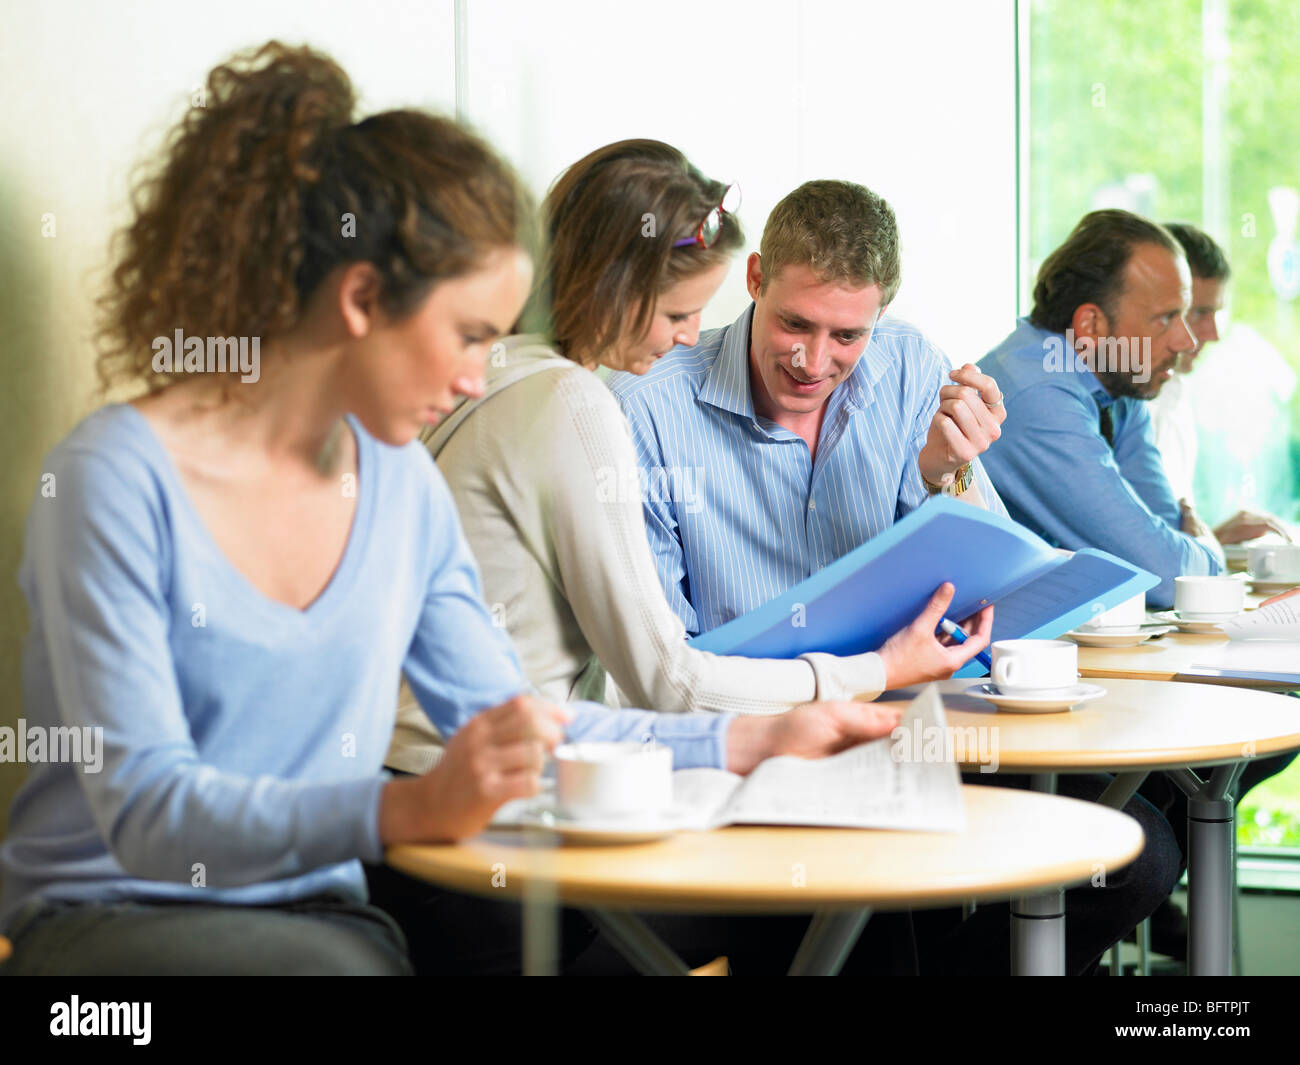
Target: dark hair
(611, 220)
(841, 231)
(1089, 266)
(243, 215)
(1205, 258)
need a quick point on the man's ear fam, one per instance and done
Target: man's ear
(1089, 322)
(754, 275)
(358, 298)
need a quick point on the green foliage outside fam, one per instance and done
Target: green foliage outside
(1116, 109)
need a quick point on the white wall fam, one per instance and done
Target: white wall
(915, 100)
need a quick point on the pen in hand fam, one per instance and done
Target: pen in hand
(955, 631)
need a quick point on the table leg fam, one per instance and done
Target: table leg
(1038, 921)
(1211, 824)
(649, 955)
(831, 935)
(541, 910)
(1121, 789)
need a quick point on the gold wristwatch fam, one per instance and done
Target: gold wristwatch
(961, 481)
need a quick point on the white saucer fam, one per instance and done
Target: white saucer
(1271, 587)
(1212, 628)
(1065, 699)
(610, 831)
(1116, 637)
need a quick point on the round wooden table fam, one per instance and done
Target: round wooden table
(1015, 843)
(1140, 726)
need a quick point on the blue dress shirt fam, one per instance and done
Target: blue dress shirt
(1059, 476)
(735, 508)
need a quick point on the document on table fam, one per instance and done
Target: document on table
(907, 780)
(1277, 621)
(1277, 661)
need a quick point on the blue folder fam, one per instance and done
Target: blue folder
(857, 602)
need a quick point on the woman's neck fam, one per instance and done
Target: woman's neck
(291, 416)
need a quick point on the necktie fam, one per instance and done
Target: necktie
(1107, 426)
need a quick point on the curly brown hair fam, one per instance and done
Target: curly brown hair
(242, 215)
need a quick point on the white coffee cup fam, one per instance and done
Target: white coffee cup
(594, 781)
(1274, 562)
(1127, 615)
(1032, 668)
(1209, 598)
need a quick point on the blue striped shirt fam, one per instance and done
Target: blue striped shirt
(1063, 480)
(735, 508)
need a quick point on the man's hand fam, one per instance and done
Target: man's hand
(968, 420)
(1191, 523)
(497, 756)
(813, 730)
(915, 654)
(1247, 525)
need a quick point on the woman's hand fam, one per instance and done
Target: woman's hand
(812, 730)
(497, 756)
(915, 654)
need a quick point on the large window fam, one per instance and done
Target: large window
(1187, 111)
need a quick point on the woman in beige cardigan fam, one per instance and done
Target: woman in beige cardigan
(541, 466)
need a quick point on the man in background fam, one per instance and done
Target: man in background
(1077, 460)
(1172, 413)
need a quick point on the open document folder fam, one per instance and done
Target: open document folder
(857, 602)
(906, 780)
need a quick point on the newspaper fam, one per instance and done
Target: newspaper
(1277, 621)
(907, 781)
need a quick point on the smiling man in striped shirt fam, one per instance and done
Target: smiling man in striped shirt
(815, 420)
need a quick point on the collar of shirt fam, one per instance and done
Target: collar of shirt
(728, 387)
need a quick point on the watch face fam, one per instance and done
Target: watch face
(961, 481)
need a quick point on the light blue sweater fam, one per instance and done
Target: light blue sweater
(242, 740)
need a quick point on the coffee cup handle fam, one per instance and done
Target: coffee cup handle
(1003, 671)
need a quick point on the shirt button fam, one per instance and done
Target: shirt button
(812, 505)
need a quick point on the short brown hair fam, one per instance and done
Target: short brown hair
(612, 219)
(841, 231)
(1089, 266)
(1206, 260)
(243, 214)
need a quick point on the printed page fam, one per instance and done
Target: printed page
(1262, 658)
(1277, 621)
(1066, 594)
(701, 796)
(907, 780)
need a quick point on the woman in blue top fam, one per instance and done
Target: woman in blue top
(227, 575)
